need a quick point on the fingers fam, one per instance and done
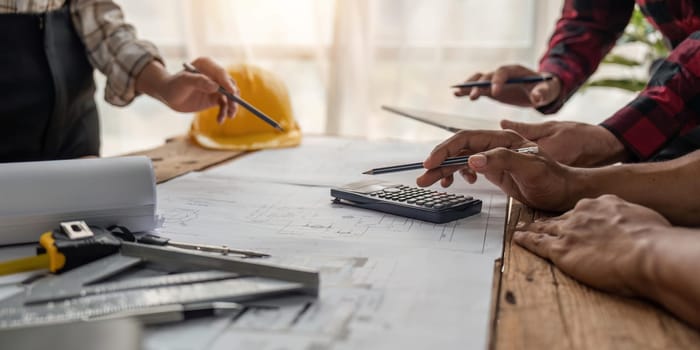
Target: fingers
(447, 181)
(468, 175)
(500, 76)
(508, 170)
(473, 141)
(545, 92)
(494, 163)
(481, 91)
(220, 77)
(433, 175)
(530, 131)
(466, 142)
(539, 94)
(466, 91)
(538, 243)
(223, 109)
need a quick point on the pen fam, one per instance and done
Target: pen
(190, 68)
(532, 79)
(448, 162)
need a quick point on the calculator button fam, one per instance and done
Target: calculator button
(420, 202)
(392, 190)
(429, 204)
(439, 206)
(411, 201)
(468, 198)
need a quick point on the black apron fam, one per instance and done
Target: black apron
(47, 107)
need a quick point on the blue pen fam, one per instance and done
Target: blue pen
(533, 79)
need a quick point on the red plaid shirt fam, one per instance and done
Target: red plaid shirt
(670, 104)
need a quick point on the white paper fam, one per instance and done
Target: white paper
(36, 196)
(387, 282)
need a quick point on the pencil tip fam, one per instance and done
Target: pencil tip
(369, 172)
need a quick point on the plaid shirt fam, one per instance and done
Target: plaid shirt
(670, 104)
(111, 43)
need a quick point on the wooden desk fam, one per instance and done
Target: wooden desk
(537, 306)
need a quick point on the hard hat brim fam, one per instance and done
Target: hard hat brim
(249, 142)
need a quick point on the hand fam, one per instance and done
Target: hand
(526, 95)
(571, 143)
(603, 242)
(534, 179)
(190, 92)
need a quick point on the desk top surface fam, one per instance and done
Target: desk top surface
(537, 306)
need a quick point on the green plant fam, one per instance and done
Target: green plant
(638, 32)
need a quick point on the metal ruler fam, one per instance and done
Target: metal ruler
(93, 306)
(79, 295)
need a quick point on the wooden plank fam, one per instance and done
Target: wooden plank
(179, 156)
(539, 307)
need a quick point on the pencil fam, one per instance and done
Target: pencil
(190, 68)
(533, 79)
(448, 162)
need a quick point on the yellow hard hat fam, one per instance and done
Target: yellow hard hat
(247, 132)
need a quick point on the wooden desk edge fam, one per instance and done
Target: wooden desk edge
(539, 307)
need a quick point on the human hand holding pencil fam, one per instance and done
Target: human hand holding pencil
(512, 84)
(476, 144)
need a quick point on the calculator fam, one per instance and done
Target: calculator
(411, 202)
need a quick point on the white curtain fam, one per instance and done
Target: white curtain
(343, 59)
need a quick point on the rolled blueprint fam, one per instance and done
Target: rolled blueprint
(36, 197)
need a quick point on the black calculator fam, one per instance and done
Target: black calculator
(412, 202)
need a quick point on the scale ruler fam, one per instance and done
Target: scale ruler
(91, 306)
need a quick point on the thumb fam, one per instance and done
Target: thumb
(542, 94)
(530, 131)
(501, 165)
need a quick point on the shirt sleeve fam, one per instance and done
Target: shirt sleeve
(584, 34)
(669, 105)
(112, 47)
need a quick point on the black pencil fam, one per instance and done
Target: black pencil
(448, 162)
(190, 68)
(523, 80)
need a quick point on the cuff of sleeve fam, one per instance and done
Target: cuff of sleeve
(120, 89)
(635, 155)
(568, 86)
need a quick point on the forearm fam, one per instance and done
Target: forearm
(670, 187)
(112, 47)
(671, 273)
(665, 107)
(152, 79)
(583, 36)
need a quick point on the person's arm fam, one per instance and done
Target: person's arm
(133, 66)
(112, 47)
(669, 187)
(584, 34)
(667, 107)
(622, 248)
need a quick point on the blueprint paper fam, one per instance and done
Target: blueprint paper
(387, 282)
(36, 196)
